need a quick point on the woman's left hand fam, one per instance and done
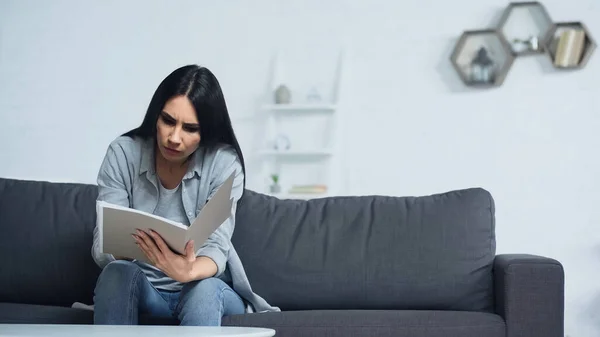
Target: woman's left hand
(176, 266)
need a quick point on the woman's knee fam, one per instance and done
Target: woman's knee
(119, 273)
(204, 289)
(206, 302)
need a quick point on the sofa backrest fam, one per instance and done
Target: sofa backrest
(370, 252)
(45, 242)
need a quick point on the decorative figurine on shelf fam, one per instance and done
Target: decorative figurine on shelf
(275, 188)
(482, 67)
(530, 45)
(283, 95)
(534, 43)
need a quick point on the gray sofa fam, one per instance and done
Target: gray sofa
(343, 266)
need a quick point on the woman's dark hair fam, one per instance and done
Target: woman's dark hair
(203, 90)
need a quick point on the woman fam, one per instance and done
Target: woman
(170, 166)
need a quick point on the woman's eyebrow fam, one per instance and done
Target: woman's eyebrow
(166, 115)
(192, 125)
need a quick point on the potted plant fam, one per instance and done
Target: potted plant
(275, 188)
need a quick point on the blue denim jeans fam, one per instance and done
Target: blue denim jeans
(123, 292)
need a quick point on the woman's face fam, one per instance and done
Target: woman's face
(177, 130)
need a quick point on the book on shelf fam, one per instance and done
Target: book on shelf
(571, 44)
(307, 189)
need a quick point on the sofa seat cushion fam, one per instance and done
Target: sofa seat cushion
(333, 323)
(16, 313)
(375, 323)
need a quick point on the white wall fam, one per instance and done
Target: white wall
(75, 74)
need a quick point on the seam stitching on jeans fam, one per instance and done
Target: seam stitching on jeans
(131, 294)
(221, 300)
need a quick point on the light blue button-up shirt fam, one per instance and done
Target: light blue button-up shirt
(127, 177)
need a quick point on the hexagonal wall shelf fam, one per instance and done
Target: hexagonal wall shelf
(482, 58)
(569, 45)
(525, 25)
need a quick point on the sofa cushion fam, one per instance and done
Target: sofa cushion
(45, 242)
(375, 323)
(370, 252)
(368, 323)
(16, 313)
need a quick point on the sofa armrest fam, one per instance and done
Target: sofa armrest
(529, 295)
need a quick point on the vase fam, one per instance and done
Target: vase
(283, 95)
(275, 188)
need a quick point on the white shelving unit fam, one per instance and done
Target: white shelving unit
(313, 130)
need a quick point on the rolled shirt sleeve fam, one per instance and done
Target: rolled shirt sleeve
(113, 189)
(218, 244)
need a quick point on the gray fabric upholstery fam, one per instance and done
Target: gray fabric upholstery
(376, 323)
(317, 323)
(18, 313)
(373, 252)
(530, 295)
(344, 266)
(46, 232)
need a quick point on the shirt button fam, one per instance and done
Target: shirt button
(189, 213)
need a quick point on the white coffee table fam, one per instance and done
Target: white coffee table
(67, 330)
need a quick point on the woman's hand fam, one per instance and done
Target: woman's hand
(176, 266)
